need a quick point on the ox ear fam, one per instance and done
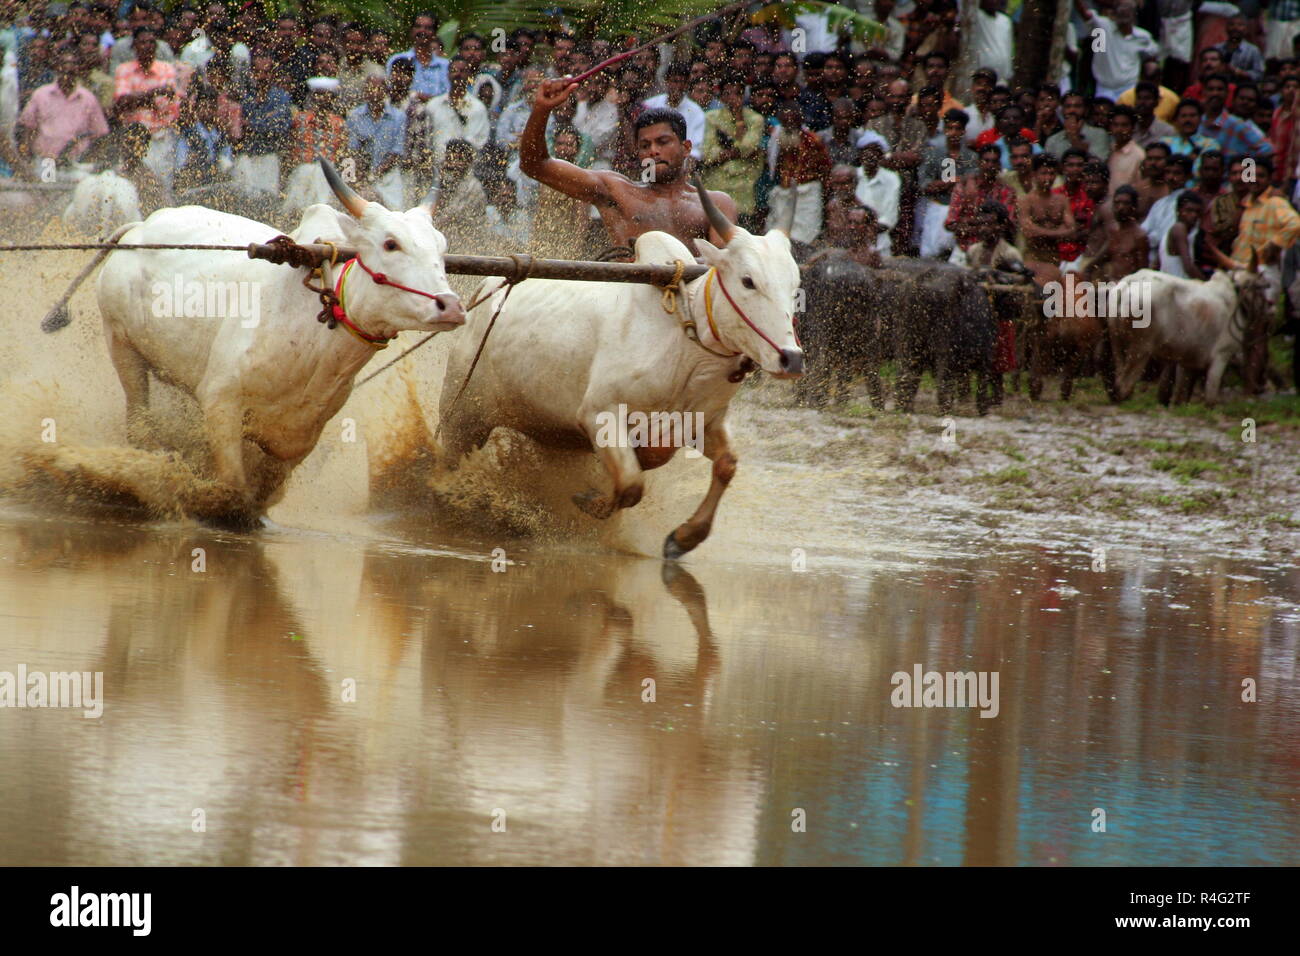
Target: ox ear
(708, 251)
(779, 238)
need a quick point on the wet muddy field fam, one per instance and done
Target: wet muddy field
(407, 667)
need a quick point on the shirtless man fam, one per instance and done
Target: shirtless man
(1126, 249)
(665, 201)
(1045, 220)
(1150, 184)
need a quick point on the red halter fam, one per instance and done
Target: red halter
(339, 313)
(741, 313)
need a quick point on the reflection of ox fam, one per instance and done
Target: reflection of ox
(566, 354)
(278, 378)
(1195, 325)
(919, 313)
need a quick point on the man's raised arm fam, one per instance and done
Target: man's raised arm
(536, 162)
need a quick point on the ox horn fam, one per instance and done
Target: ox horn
(723, 226)
(345, 193)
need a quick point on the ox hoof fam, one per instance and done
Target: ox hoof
(673, 550)
(593, 503)
(57, 319)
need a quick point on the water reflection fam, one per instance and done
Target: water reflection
(330, 701)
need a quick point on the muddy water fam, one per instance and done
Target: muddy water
(395, 671)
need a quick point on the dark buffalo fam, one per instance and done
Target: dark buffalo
(919, 313)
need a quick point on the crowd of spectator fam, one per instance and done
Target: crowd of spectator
(1173, 147)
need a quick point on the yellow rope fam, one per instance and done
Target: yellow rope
(669, 300)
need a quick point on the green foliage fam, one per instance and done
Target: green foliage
(839, 18)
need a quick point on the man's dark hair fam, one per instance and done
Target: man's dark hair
(1123, 110)
(947, 60)
(1183, 162)
(1156, 144)
(1146, 86)
(1126, 190)
(1265, 163)
(1045, 160)
(1188, 197)
(1015, 141)
(955, 115)
(1217, 77)
(1213, 154)
(814, 61)
(1195, 104)
(1050, 90)
(929, 91)
(678, 71)
(1097, 167)
(989, 148)
(662, 114)
(985, 73)
(1075, 151)
(135, 34)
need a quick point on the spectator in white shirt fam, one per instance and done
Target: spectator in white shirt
(1118, 49)
(456, 114)
(878, 188)
(993, 40)
(676, 79)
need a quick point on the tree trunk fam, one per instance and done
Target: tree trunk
(965, 65)
(1036, 60)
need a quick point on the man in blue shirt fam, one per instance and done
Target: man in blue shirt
(430, 69)
(268, 118)
(376, 136)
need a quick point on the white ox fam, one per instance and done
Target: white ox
(1195, 325)
(271, 373)
(102, 203)
(565, 355)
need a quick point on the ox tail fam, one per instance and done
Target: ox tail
(59, 316)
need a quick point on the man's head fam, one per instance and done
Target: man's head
(762, 99)
(1245, 101)
(376, 91)
(1021, 155)
(677, 79)
(458, 158)
(459, 73)
(261, 70)
(732, 93)
(843, 180)
(871, 150)
(1125, 14)
(1187, 118)
(955, 122)
(1211, 62)
(66, 69)
(424, 30)
(1048, 100)
(1178, 170)
(1236, 29)
(1010, 121)
(1099, 110)
(936, 65)
(1236, 180)
(1215, 90)
(1096, 179)
(1211, 169)
(1189, 207)
(1124, 204)
(1263, 177)
(321, 34)
(789, 115)
(1046, 168)
(898, 96)
(928, 101)
(1145, 97)
(400, 77)
(1073, 161)
(566, 143)
(982, 82)
(1074, 106)
(843, 115)
(835, 72)
(472, 49)
(990, 162)
(661, 137)
(784, 69)
(144, 43)
(1154, 162)
(1123, 121)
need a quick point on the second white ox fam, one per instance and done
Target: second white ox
(102, 203)
(1193, 324)
(565, 355)
(276, 377)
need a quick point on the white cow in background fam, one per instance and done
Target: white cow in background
(573, 362)
(102, 203)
